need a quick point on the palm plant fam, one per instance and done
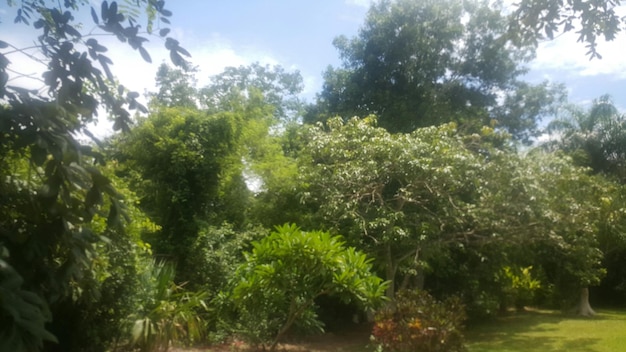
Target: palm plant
(169, 313)
(595, 137)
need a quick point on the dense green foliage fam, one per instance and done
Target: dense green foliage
(174, 159)
(407, 67)
(431, 198)
(167, 313)
(275, 289)
(66, 247)
(159, 235)
(595, 138)
(399, 197)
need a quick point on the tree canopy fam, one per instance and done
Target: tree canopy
(595, 137)
(408, 198)
(422, 63)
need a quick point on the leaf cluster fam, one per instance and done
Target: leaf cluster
(534, 20)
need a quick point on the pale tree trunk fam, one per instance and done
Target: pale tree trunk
(418, 279)
(584, 308)
(391, 267)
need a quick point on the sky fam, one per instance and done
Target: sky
(298, 35)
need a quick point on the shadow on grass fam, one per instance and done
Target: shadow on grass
(528, 331)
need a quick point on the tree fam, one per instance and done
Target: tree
(423, 63)
(398, 197)
(174, 159)
(534, 20)
(611, 236)
(176, 87)
(46, 242)
(418, 201)
(276, 288)
(279, 89)
(595, 138)
(109, 292)
(265, 101)
(569, 248)
(190, 165)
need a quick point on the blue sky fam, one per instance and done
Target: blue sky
(298, 35)
(295, 34)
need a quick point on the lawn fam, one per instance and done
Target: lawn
(533, 330)
(548, 331)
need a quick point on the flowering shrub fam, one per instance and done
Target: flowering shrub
(417, 322)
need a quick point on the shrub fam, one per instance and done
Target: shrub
(275, 289)
(169, 313)
(215, 254)
(518, 286)
(417, 322)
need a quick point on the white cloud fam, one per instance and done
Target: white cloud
(362, 3)
(312, 85)
(566, 54)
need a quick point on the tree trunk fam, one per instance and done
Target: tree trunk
(390, 273)
(419, 278)
(584, 308)
(416, 280)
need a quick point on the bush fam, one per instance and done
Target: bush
(276, 288)
(518, 286)
(215, 254)
(417, 322)
(168, 313)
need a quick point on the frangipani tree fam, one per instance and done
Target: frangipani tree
(275, 289)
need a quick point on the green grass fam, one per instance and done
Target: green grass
(531, 331)
(549, 331)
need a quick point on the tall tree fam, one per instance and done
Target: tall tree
(174, 159)
(176, 87)
(409, 199)
(400, 197)
(192, 166)
(569, 248)
(423, 63)
(265, 98)
(278, 87)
